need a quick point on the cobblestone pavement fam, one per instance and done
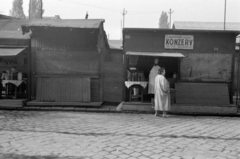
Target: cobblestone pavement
(82, 135)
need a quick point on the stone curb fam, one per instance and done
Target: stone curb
(79, 109)
(102, 110)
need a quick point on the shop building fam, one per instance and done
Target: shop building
(199, 67)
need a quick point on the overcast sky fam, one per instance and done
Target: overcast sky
(140, 13)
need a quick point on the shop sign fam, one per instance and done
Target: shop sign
(179, 42)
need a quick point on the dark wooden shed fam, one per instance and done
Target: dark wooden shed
(67, 61)
(205, 74)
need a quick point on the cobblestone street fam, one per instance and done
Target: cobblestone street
(82, 135)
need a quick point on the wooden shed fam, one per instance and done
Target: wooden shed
(14, 59)
(199, 66)
(67, 62)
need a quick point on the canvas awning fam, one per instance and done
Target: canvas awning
(10, 51)
(163, 54)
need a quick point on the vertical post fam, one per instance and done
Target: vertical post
(124, 13)
(30, 8)
(238, 78)
(121, 34)
(236, 95)
(29, 72)
(225, 15)
(170, 13)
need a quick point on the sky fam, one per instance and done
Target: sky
(138, 13)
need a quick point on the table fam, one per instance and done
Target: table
(14, 82)
(140, 84)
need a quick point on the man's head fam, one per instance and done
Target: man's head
(156, 61)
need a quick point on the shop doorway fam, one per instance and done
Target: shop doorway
(143, 65)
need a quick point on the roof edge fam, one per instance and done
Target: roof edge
(182, 30)
(64, 23)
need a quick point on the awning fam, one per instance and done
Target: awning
(10, 51)
(155, 54)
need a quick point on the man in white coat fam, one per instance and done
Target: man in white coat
(162, 93)
(153, 73)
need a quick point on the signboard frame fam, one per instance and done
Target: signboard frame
(185, 42)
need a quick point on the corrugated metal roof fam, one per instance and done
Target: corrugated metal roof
(12, 24)
(68, 23)
(11, 29)
(234, 26)
(13, 35)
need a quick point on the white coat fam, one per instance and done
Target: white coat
(153, 73)
(162, 94)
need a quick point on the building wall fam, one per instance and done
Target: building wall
(114, 76)
(204, 42)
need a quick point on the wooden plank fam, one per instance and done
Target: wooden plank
(86, 91)
(82, 75)
(29, 71)
(12, 102)
(95, 91)
(206, 105)
(72, 95)
(80, 94)
(10, 105)
(57, 89)
(65, 82)
(46, 89)
(137, 106)
(206, 109)
(35, 103)
(39, 90)
(205, 101)
(101, 79)
(33, 71)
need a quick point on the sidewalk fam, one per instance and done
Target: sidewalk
(106, 108)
